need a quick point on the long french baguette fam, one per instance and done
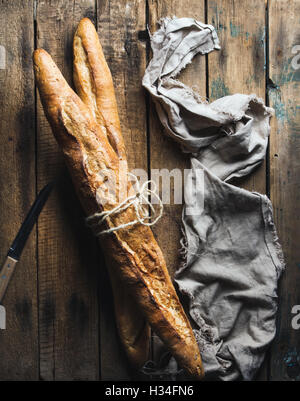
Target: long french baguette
(94, 85)
(132, 252)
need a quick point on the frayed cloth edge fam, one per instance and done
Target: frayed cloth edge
(271, 237)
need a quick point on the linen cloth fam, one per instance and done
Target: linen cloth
(232, 257)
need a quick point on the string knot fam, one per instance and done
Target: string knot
(145, 213)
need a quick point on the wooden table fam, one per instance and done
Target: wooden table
(60, 323)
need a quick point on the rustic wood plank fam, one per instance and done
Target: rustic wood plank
(284, 176)
(164, 153)
(239, 67)
(67, 288)
(68, 265)
(19, 342)
(120, 24)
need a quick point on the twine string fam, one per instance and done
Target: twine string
(141, 201)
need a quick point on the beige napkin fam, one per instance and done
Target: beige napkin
(232, 256)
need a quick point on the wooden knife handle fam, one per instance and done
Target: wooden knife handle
(5, 275)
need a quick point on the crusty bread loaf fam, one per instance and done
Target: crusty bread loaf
(133, 329)
(132, 253)
(94, 85)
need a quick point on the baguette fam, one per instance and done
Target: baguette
(94, 85)
(132, 253)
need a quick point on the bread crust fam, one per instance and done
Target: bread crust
(132, 253)
(94, 85)
(133, 329)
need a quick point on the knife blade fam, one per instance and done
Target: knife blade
(17, 246)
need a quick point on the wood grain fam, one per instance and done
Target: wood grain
(239, 67)
(119, 27)
(284, 177)
(53, 316)
(164, 153)
(67, 258)
(19, 342)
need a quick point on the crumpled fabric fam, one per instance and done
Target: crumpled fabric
(232, 257)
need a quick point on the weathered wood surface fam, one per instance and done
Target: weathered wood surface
(239, 67)
(19, 342)
(283, 91)
(67, 262)
(164, 153)
(119, 24)
(60, 323)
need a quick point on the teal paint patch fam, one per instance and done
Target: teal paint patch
(280, 110)
(263, 44)
(235, 30)
(285, 112)
(216, 19)
(215, 9)
(221, 27)
(218, 25)
(218, 89)
(292, 362)
(287, 74)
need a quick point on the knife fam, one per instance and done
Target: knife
(19, 242)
